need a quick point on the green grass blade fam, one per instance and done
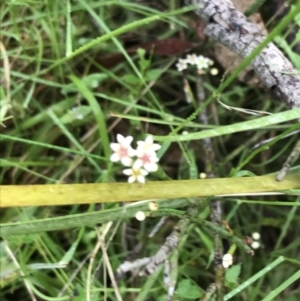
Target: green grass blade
(234, 128)
(72, 138)
(81, 152)
(98, 113)
(69, 48)
(84, 219)
(282, 287)
(255, 277)
(119, 31)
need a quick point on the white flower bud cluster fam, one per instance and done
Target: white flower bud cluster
(255, 244)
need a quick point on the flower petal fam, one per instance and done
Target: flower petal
(137, 164)
(156, 147)
(149, 140)
(131, 152)
(141, 179)
(126, 161)
(141, 144)
(120, 138)
(127, 172)
(128, 140)
(115, 146)
(131, 179)
(151, 167)
(143, 172)
(115, 157)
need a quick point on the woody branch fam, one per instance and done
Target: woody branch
(231, 28)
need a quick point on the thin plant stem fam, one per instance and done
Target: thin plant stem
(209, 292)
(171, 241)
(289, 162)
(215, 205)
(108, 265)
(14, 260)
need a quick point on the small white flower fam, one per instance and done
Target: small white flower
(148, 161)
(202, 62)
(181, 65)
(192, 59)
(147, 145)
(227, 260)
(255, 245)
(256, 236)
(136, 173)
(122, 150)
(146, 154)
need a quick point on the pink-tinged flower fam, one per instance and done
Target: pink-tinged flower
(148, 160)
(122, 150)
(136, 173)
(181, 65)
(147, 146)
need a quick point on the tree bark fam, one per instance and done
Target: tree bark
(230, 27)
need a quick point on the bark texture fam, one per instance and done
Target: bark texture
(230, 27)
(230, 60)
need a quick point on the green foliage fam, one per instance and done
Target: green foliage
(232, 275)
(188, 290)
(79, 72)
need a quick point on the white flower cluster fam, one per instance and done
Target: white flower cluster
(145, 157)
(199, 61)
